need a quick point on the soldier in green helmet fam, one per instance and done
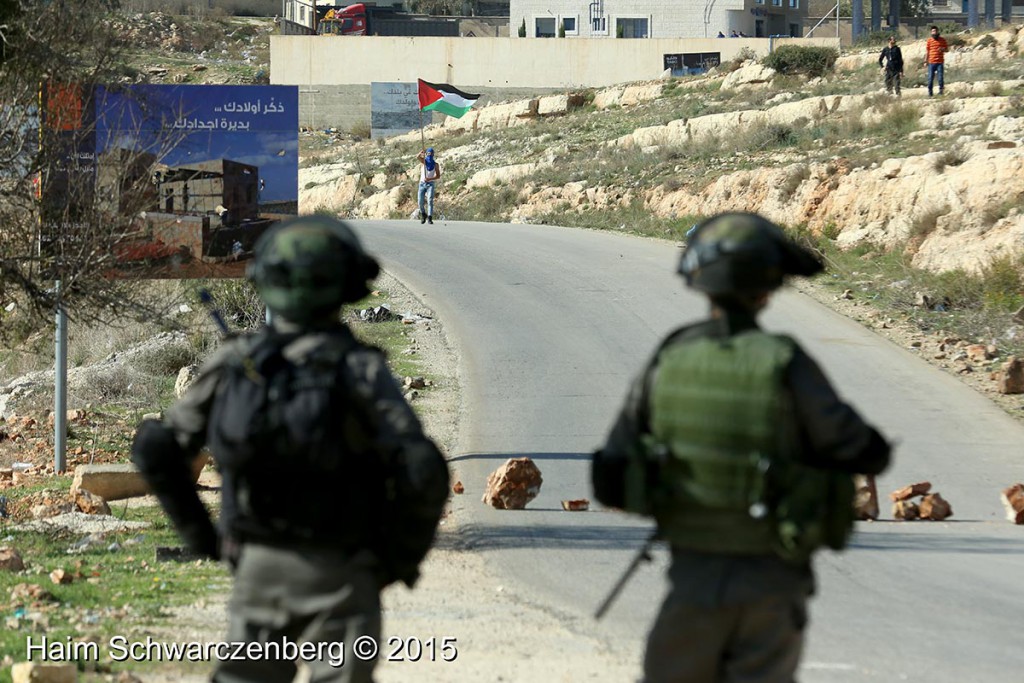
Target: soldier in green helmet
(330, 490)
(734, 441)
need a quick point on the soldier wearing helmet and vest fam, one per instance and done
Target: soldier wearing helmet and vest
(738, 446)
(330, 488)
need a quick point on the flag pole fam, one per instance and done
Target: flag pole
(423, 142)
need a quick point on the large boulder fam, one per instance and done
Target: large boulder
(186, 378)
(513, 485)
(504, 174)
(751, 74)
(910, 491)
(1006, 127)
(10, 560)
(1013, 500)
(90, 503)
(122, 480)
(935, 507)
(1011, 376)
(37, 672)
(865, 502)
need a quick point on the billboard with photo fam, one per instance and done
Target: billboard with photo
(191, 175)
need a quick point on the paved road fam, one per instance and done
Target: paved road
(553, 323)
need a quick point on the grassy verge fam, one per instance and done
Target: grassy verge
(974, 307)
(117, 587)
(391, 336)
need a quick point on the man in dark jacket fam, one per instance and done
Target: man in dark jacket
(892, 57)
(736, 443)
(330, 490)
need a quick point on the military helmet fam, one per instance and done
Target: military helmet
(734, 253)
(305, 268)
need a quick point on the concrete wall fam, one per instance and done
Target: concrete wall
(334, 74)
(484, 62)
(346, 107)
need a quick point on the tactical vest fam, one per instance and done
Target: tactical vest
(729, 481)
(296, 461)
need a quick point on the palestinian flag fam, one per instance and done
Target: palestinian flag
(445, 98)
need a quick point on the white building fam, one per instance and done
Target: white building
(657, 18)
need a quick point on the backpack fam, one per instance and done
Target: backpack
(297, 458)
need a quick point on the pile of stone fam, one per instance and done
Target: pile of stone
(931, 506)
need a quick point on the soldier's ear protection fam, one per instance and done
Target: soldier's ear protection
(359, 272)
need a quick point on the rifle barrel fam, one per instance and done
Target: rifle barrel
(644, 555)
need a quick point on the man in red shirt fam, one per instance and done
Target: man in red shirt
(935, 51)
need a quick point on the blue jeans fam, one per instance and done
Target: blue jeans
(932, 70)
(426, 189)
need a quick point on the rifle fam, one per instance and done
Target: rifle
(207, 299)
(643, 556)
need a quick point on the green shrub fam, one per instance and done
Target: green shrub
(950, 30)
(830, 231)
(794, 179)
(237, 300)
(950, 157)
(1003, 284)
(986, 41)
(744, 55)
(900, 120)
(361, 130)
(771, 136)
(809, 61)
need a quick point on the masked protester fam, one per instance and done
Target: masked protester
(330, 488)
(430, 173)
(738, 446)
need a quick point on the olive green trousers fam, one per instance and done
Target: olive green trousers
(306, 609)
(759, 641)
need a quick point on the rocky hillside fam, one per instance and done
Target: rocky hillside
(940, 178)
(164, 48)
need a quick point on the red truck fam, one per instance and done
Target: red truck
(368, 20)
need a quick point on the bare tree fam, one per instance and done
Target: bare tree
(61, 216)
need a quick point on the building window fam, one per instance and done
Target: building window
(599, 25)
(569, 24)
(794, 30)
(794, 4)
(631, 28)
(544, 27)
(777, 3)
(302, 15)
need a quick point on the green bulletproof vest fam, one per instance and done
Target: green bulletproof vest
(724, 436)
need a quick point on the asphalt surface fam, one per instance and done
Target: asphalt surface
(552, 324)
